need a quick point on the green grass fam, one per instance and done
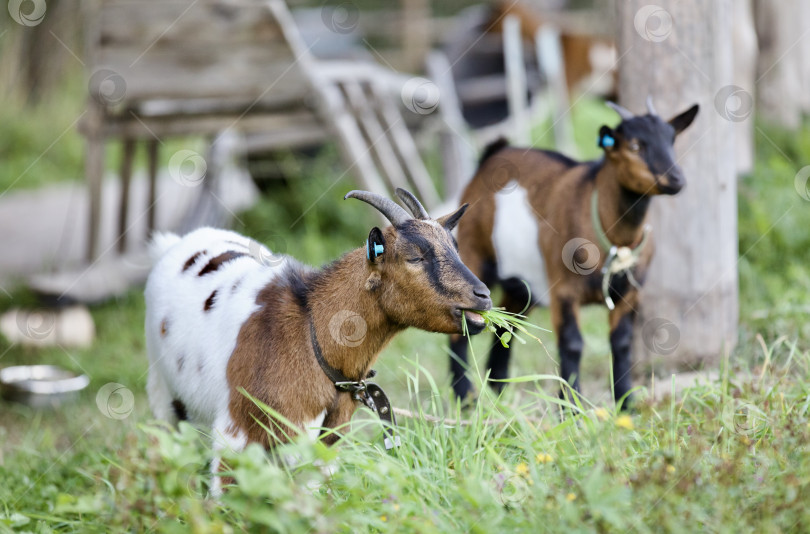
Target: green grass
(729, 456)
(725, 456)
(41, 144)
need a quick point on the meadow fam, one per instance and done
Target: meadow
(727, 455)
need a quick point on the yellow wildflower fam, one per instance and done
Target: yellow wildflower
(396, 507)
(571, 497)
(624, 421)
(602, 414)
(543, 458)
(670, 469)
(384, 518)
(522, 469)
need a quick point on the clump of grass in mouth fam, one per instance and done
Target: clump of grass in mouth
(513, 325)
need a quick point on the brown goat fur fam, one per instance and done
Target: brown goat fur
(417, 281)
(225, 317)
(638, 163)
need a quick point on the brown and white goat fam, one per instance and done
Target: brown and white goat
(532, 219)
(223, 313)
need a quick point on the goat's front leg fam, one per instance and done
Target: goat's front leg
(515, 300)
(564, 313)
(462, 386)
(226, 435)
(337, 416)
(621, 337)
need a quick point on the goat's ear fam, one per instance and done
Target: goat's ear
(681, 122)
(607, 138)
(450, 220)
(375, 246)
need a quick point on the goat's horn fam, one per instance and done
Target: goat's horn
(650, 107)
(412, 203)
(392, 211)
(623, 112)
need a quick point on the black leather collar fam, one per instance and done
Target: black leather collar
(369, 393)
(333, 374)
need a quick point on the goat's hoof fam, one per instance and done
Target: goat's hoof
(469, 402)
(628, 405)
(466, 395)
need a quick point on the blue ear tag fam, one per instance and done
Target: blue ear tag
(377, 250)
(606, 141)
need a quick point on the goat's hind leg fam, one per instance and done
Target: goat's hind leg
(621, 336)
(569, 341)
(161, 400)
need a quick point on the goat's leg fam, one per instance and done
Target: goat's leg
(516, 299)
(564, 313)
(498, 362)
(160, 396)
(462, 386)
(621, 336)
(226, 435)
(337, 416)
(486, 271)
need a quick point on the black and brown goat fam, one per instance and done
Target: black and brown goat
(541, 218)
(224, 314)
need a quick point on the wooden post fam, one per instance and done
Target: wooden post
(94, 173)
(456, 146)
(679, 51)
(126, 177)
(550, 62)
(745, 70)
(781, 68)
(415, 33)
(151, 158)
(516, 80)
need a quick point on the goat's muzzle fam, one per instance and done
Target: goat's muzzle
(481, 301)
(672, 182)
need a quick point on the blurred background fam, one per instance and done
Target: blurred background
(124, 116)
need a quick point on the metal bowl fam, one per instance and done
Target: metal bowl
(40, 385)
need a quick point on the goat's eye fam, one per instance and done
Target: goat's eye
(415, 259)
(634, 146)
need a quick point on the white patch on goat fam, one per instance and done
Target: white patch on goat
(313, 428)
(191, 349)
(516, 239)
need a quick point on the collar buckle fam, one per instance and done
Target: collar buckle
(355, 386)
(619, 259)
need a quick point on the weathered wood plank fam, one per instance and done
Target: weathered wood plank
(250, 71)
(179, 125)
(375, 134)
(191, 49)
(405, 146)
(164, 25)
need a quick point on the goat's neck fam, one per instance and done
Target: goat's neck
(341, 308)
(622, 212)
